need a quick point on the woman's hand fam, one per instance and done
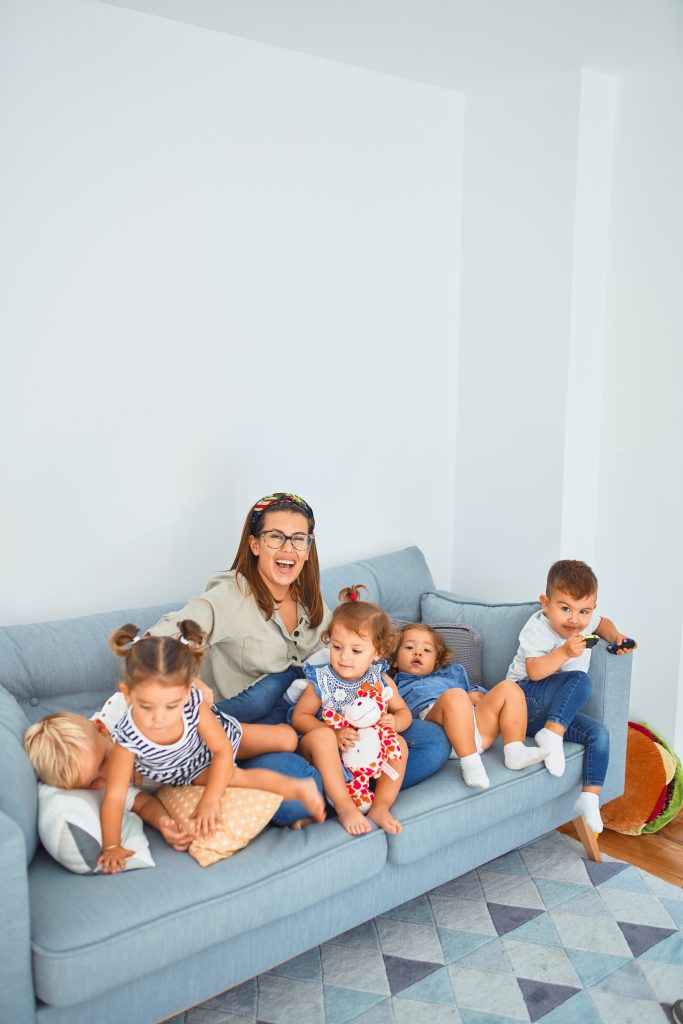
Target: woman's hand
(346, 737)
(388, 720)
(206, 817)
(113, 859)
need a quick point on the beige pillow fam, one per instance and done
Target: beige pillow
(245, 812)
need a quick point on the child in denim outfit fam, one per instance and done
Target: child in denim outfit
(436, 689)
(551, 666)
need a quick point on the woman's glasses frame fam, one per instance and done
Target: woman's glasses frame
(276, 539)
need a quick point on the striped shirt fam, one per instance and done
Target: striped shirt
(180, 762)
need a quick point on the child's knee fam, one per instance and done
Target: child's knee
(583, 684)
(600, 740)
(286, 737)
(454, 700)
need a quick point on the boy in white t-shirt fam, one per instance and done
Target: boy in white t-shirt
(551, 666)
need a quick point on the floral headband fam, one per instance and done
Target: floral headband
(281, 499)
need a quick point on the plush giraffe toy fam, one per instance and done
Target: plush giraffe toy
(376, 744)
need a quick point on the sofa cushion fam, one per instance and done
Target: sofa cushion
(442, 809)
(244, 813)
(19, 789)
(142, 921)
(395, 582)
(66, 665)
(499, 626)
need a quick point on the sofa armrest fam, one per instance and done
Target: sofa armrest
(17, 998)
(611, 675)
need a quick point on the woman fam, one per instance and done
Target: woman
(263, 619)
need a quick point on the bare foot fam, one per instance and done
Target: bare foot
(352, 820)
(383, 817)
(307, 792)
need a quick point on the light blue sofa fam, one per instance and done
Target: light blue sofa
(138, 947)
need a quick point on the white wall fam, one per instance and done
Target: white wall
(569, 418)
(641, 497)
(229, 269)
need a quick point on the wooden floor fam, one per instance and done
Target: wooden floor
(660, 853)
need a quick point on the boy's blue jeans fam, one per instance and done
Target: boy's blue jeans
(263, 702)
(559, 698)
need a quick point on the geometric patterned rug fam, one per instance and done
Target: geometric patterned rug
(540, 935)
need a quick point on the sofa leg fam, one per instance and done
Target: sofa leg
(588, 838)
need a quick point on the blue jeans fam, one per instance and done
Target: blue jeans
(559, 698)
(263, 702)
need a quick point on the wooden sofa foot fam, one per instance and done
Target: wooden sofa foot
(588, 838)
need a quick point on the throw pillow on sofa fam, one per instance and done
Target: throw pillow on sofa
(69, 829)
(245, 813)
(499, 626)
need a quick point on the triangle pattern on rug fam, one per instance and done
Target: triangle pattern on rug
(541, 996)
(641, 937)
(540, 930)
(344, 1004)
(435, 988)
(600, 871)
(593, 967)
(506, 918)
(402, 973)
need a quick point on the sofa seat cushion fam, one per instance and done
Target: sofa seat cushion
(140, 921)
(443, 809)
(499, 626)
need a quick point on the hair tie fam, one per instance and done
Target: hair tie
(353, 596)
(135, 639)
(184, 641)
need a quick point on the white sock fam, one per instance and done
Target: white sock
(517, 756)
(473, 771)
(554, 744)
(588, 806)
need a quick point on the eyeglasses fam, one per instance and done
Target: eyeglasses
(276, 539)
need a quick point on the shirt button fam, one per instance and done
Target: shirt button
(296, 632)
(34, 702)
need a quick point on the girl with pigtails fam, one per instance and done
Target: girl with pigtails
(169, 735)
(361, 638)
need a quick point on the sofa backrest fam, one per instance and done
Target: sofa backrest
(395, 582)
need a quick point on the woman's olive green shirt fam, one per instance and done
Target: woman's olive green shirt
(243, 645)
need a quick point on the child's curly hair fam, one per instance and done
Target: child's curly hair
(363, 618)
(443, 655)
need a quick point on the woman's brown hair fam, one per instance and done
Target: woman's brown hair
(307, 584)
(363, 618)
(159, 656)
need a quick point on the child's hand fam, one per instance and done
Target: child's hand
(575, 646)
(173, 834)
(475, 696)
(207, 817)
(388, 720)
(619, 639)
(114, 859)
(346, 737)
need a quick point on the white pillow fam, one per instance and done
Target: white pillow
(69, 829)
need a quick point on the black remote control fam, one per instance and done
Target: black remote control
(591, 640)
(625, 645)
